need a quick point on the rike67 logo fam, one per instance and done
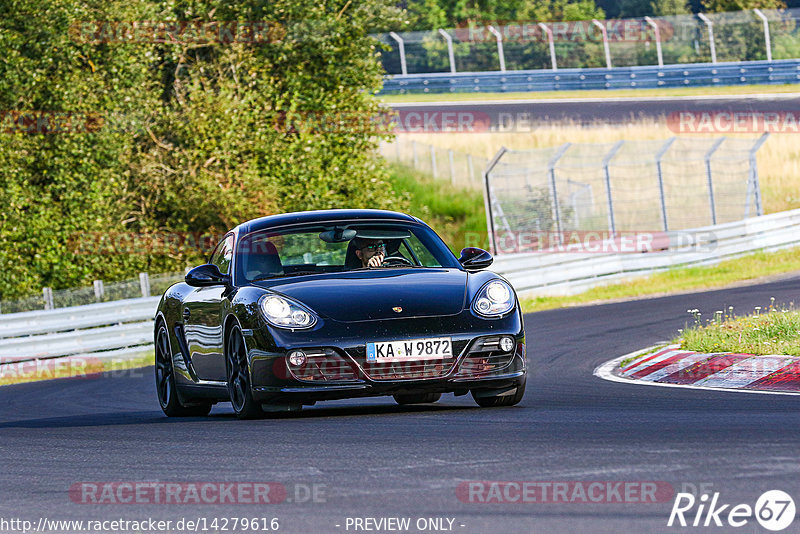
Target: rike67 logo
(774, 510)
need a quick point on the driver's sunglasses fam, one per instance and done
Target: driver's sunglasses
(380, 246)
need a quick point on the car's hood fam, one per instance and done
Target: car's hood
(374, 294)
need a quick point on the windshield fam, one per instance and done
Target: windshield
(276, 253)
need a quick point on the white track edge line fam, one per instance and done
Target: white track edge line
(605, 372)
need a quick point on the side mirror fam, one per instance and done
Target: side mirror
(206, 275)
(475, 259)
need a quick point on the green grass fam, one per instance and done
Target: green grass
(677, 280)
(453, 212)
(626, 361)
(767, 331)
(600, 93)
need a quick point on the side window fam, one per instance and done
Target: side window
(222, 255)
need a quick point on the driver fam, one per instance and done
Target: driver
(370, 251)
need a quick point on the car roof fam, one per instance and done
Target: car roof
(302, 217)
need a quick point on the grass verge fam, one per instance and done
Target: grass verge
(678, 280)
(600, 93)
(767, 331)
(626, 361)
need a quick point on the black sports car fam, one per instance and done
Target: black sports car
(303, 307)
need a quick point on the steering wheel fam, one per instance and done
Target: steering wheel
(396, 260)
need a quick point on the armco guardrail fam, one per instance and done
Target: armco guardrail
(641, 77)
(77, 317)
(560, 273)
(118, 329)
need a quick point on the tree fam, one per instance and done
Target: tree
(179, 136)
(716, 6)
(664, 8)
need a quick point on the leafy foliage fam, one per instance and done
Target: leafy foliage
(189, 137)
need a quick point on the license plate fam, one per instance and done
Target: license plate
(437, 348)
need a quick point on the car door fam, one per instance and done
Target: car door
(202, 319)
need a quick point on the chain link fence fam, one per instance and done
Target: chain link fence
(459, 168)
(628, 186)
(681, 39)
(143, 286)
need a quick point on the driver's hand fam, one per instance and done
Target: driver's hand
(375, 261)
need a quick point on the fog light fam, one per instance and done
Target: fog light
(297, 358)
(506, 344)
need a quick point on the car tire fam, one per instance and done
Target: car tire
(501, 400)
(165, 381)
(238, 377)
(417, 398)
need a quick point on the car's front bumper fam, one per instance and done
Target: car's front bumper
(274, 383)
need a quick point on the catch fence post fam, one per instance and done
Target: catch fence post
(487, 198)
(451, 56)
(99, 290)
(657, 31)
(754, 175)
(606, 159)
(710, 26)
(551, 44)
(659, 155)
(551, 172)
(47, 294)
(605, 41)
(500, 52)
(402, 47)
(710, 178)
(767, 40)
(144, 284)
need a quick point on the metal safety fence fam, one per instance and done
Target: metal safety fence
(751, 35)
(146, 285)
(627, 186)
(459, 168)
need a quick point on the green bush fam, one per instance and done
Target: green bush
(185, 137)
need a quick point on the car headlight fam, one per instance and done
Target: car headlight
(494, 299)
(286, 313)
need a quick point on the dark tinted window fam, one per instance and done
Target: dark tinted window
(223, 254)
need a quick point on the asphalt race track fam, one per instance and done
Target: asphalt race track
(608, 110)
(376, 459)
